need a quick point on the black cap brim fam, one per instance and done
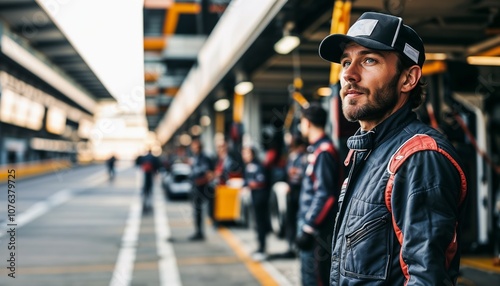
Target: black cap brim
(332, 47)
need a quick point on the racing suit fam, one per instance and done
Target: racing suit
(317, 208)
(202, 191)
(256, 181)
(425, 213)
(296, 165)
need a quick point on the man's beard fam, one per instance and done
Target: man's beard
(385, 99)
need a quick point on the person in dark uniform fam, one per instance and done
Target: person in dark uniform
(226, 166)
(201, 174)
(295, 168)
(255, 180)
(318, 198)
(110, 164)
(150, 165)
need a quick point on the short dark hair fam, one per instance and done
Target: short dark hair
(315, 114)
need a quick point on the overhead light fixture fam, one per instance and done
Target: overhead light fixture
(205, 120)
(288, 42)
(324, 91)
(196, 130)
(221, 104)
(483, 61)
(435, 56)
(185, 139)
(243, 87)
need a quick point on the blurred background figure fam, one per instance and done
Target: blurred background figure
(226, 166)
(150, 164)
(110, 164)
(201, 174)
(275, 156)
(296, 165)
(318, 198)
(255, 180)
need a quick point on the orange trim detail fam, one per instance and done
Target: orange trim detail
(154, 43)
(151, 77)
(434, 67)
(171, 91)
(151, 110)
(172, 15)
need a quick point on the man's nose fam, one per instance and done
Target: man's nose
(350, 73)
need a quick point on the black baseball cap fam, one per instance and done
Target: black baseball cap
(376, 31)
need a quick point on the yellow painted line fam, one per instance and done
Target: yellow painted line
(208, 260)
(481, 263)
(254, 267)
(33, 168)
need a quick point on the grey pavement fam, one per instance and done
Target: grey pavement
(76, 228)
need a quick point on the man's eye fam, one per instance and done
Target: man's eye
(369, 61)
(346, 64)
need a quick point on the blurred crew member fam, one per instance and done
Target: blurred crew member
(318, 199)
(296, 165)
(150, 164)
(226, 167)
(110, 163)
(255, 180)
(201, 174)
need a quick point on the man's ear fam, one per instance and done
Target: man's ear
(413, 75)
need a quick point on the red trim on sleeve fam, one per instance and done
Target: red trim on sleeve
(326, 209)
(420, 142)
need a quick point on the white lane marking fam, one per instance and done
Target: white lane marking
(124, 267)
(169, 272)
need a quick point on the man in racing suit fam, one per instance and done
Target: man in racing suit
(393, 228)
(318, 199)
(201, 175)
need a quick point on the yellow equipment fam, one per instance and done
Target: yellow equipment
(227, 203)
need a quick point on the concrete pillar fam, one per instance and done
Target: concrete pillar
(252, 118)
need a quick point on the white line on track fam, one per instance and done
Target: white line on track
(124, 267)
(169, 272)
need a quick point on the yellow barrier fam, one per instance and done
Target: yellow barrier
(23, 170)
(227, 203)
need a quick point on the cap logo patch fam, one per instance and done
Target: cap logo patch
(362, 27)
(411, 52)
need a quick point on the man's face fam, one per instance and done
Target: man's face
(196, 147)
(370, 84)
(304, 127)
(221, 149)
(246, 155)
